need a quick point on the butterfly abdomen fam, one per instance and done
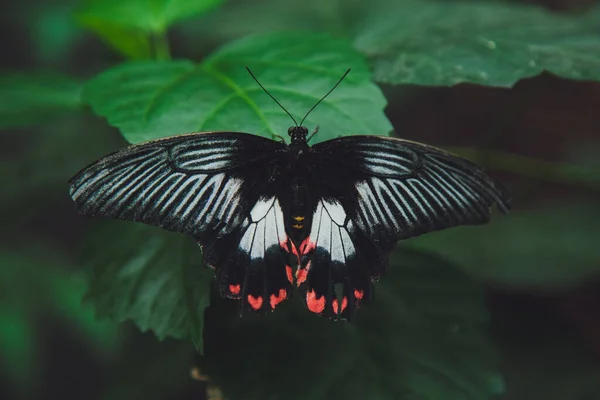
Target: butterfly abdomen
(298, 217)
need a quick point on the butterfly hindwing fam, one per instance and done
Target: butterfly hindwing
(333, 275)
(256, 271)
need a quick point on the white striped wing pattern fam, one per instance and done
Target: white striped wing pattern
(189, 183)
(404, 189)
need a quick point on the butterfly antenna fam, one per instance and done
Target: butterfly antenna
(271, 96)
(326, 94)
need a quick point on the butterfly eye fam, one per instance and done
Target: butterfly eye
(291, 130)
(304, 130)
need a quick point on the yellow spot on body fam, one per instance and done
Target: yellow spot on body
(299, 218)
(297, 226)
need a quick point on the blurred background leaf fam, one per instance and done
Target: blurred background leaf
(150, 100)
(432, 42)
(150, 16)
(137, 28)
(37, 285)
(36, 170)
(491, 43)
(551, 247)
(27, 99)
(133, 44)
(424, 337)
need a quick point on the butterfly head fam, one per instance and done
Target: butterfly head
(298, 134)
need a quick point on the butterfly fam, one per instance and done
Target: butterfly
(273, 217)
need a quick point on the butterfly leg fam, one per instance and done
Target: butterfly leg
(313, 133)
(281, 139)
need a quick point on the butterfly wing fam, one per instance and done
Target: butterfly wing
(335, 262)
(373, 192)
(216, 187)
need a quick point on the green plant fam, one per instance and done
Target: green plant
(425, 335)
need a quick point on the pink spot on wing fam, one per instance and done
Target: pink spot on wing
(274, 300)
(235, 289)
(358, 294)
(340, 310)
(306, 246)
(255, 302)
(301, 274)
(314, 304)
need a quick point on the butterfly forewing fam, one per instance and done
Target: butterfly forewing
(188, 183)
(402, 189)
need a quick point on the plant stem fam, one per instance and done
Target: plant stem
(162, 50)
(534, 168)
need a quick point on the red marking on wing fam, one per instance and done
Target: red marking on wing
(337, 310)
(288, 272)
(293, 249)
(285, 245)
(302, 273)
(274, 300)
(314, 304)
(306, 246)
(235, 289)
(358, 294)
(255, 302)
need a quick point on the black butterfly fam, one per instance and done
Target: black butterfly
(270, 215)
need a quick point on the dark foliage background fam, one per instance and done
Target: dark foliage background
(509, 310)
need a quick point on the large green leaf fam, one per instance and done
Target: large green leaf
(548, 247)
(150, 16)
(423, 337)
(432, 42)
(27, 99)
(147, 100)
(152, 277)
(444, 43)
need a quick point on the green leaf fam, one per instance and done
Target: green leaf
(147, 100)
(490, 43)
(28, 99)
(152, 277)
(549, 247)
(423, 337)
(147, 16)
(133, 44)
